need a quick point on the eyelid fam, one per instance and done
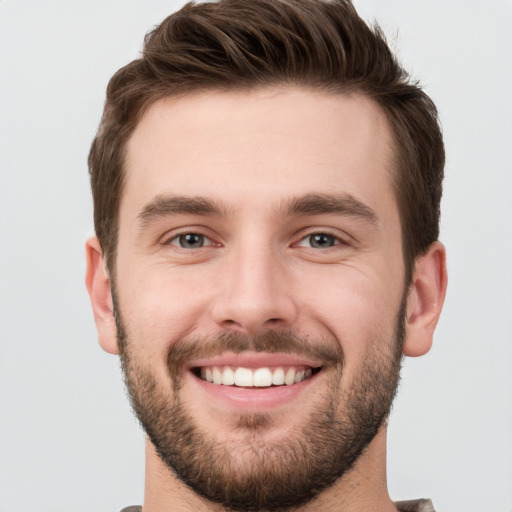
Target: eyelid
(341, 239)
(208, 242)
(196, 230)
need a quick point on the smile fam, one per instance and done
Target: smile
(255, 377)
(254, 381)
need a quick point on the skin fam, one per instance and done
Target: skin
(250, 154)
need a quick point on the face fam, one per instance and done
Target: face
(260, 289)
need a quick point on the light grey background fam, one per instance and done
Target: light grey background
(68, 442)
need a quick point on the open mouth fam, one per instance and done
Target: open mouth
(263, 377)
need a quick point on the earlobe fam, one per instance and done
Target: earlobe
(425, 300)
(98, 286)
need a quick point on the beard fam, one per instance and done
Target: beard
(252, 473)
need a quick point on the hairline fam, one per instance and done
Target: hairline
(348, 88)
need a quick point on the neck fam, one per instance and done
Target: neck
(364, 488)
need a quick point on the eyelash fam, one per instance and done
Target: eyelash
(336, 240)
(179, 239)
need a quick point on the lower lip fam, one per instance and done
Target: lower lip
(255, 399)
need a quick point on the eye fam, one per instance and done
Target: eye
(319, 241)
(190, 241)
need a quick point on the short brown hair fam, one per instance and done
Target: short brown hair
(246, 44)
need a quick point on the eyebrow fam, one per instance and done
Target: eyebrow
(166, 205)
(309, 204)
(321, 204)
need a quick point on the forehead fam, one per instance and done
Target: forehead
(259, 147)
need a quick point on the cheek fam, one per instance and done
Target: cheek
(160, 307)
(359, 309)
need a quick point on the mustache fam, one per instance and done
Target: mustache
(327, 352)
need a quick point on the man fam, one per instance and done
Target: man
(266, 189)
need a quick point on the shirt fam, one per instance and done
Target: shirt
(404, 506)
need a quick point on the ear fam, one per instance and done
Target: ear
(98, 286)
(425, 300)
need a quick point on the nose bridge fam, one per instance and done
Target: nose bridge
(254, 295)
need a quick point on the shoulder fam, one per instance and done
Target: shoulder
(404, 506)
(415, 506)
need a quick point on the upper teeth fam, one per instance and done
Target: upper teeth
(257, 377)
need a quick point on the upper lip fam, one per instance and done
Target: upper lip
(254, 360)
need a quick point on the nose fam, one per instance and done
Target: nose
(255, 293)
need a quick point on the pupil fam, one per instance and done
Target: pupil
(191, 240)
(322, 240)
